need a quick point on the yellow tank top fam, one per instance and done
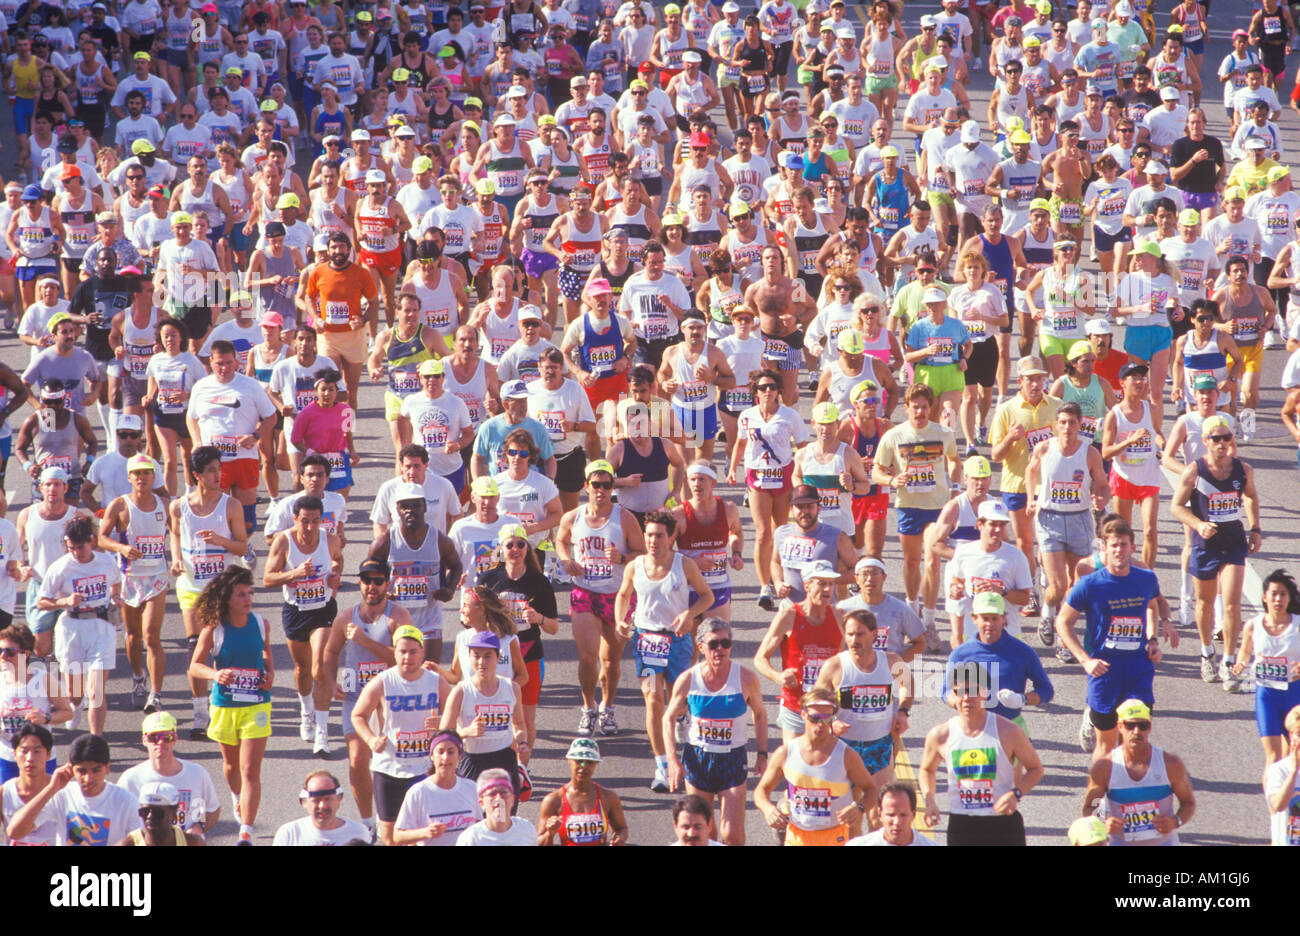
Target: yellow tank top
(26, 79)
(920, 57)
(137, 837)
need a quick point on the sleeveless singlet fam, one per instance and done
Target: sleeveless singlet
(1137, 802)
(406, 705)
(718, 724)
(979, 771)
(1066, 483)
(707, 544)
(867, 702)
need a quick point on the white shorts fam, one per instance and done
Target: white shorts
(89, 642)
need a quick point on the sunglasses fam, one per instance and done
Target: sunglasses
(1203, 318)
(516, 544)
(128, 434)
(602, 485)
(723, 644)
(432, 376)
(146, 811)
(842, 286)
(818, 719)
(1138, 725)
(766, 388)
(373, 580)
(1220, 438)
(9, 653)
(160, 737)
(519, 453)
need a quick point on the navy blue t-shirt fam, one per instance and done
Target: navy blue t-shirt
(1115, 609)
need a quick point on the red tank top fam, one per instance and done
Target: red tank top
(805, 649)
(695, 536)
(577, 828)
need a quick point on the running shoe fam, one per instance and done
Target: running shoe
(1032, 608)
(982, 434)
(767, 598)
(1047, 630)
(976, 64)
(78, 717)
(1231, 682)
(812, 381)
(605, 722)
(932, 639)
(307, 726)
(660, 782)
(1271, 341)
(139, 691)
(199, 730)
(971, 451)
(586, 722)
(1064, 656)
(1209, 672)
(525, 783)
(153, 704)
(321, 743)
(244, 839)
(1087, 733)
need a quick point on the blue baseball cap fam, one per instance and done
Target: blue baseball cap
(33, 193)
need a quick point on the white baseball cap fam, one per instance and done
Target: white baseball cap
(993, 510)
(970, 132)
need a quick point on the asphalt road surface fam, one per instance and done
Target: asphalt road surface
(1212, 731)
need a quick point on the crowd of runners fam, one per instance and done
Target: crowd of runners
(618, 268)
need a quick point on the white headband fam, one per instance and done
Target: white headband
(702, 470)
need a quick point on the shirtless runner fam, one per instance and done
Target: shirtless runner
(783, 309)
(1065, 171)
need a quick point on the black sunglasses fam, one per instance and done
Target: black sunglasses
(373, 580)
(1138, 725)
(602, 485)
(723, 644)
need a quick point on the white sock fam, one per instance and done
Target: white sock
(368, 822)
(927, 616)
(245, 830)
(234, 798)
(200, 705)
(1207, 650)
(305, 703)
(113, 416)
(102, 410)
(322, 720)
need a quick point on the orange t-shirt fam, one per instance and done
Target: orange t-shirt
(338, 295)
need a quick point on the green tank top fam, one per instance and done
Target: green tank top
(919, 58)
(404, 358)
(1091, 399)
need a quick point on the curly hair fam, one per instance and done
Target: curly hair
(214, 603)
(499, 619)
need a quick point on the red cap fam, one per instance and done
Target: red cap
(700, 138)
(71, 172)
(646, 67)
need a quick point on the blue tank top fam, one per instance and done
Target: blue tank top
(999, 257)
(600, 352)
(240, 650)
(892, 204)
(813, 172)
(652, 467)
(327, 123)
(865, 446)
(1219, 502)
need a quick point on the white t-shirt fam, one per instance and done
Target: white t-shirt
(225, 412)
(243, 337)
(104, 819)
(442, 502)
(1280, 822)
(476, 544)
(280, 516)
(304, 832)
(426, 802)
(521, 832)
(92, 580)
(640, 303)
(193, 783)
(295, 383)
(552, 407)
(970, 562)
(525, 501)
(434, 423)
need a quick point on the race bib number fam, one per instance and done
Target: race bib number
(338, 465)
(655, 326)
(492, 716)
(412, 744)
(974, 795)
(736, 400)
(814, 660)
(1125, 633)
(1223, 507)
(337, 313)
(1139, 821)
(1088, 428)
(409, 589)
(1245, 329)
(151, 550)
(1278, 219)
(245, 685)
(714, 731)
(768, 479)
(1065, 494)
(653, 646)
(438, 318)
(405, 382)
(553, 420)
(1034, 436)
(829, 498)
(757, 83)
(1063, 321)
(227, 445)
(797, 550)
(870, 700)
(972, 187)
(712, 563)
(1272, 672)
(209, 565)
(602, 358)
(1071, 213)
(433, 434)
(93, 589)
(367, 671)
(597, 569)
(882, 637)
(309, 593)
(943, 350)
(921, 479)
(809, 806)
(694, 391)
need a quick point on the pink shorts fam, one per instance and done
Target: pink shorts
(751, 481)
(1126, 490)
(601, 606)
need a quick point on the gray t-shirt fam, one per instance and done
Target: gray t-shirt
(797, 549)
(897, 625)
(74, 370)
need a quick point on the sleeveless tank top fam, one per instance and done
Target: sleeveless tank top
(1091, 400)
(203, 562)
(472, 392)
(691, 393)
(146, 530)
(313, 592)
(865, 446)
(1137, 802)
(78, 225)
(586, 828)
(589, 551)
(1274, 654)
(718, 724)
(979, 771)
(240, 649)
(999, 257)
(1207, 359)
(659, 601)
(967, 529)
(1245, 318)
(707, 544)
(651, 493)
(1218, 501)
(403, 359)
(867, 702)
(807, 648)
(45, 539)
(825, 477)
(416, 572)
(138, 345)
(816, 793)
(1066, 483)
(406, 705)
(1140, 463)
(358, 665)
(494, 710)
(57, 448)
